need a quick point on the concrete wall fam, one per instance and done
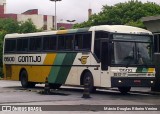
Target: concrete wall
(50, 22)
(36, 19)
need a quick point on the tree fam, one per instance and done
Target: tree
(128, 13)
(27, 27)
(9, 25)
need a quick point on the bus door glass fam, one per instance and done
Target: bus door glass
(104, 54)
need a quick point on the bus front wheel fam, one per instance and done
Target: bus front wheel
(124, 90)
(24, 80)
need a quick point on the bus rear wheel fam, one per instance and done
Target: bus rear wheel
(24, 80)
(124, 90)
(88, 78)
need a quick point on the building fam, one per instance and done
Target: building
(45, 22)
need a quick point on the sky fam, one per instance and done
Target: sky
(66, 9)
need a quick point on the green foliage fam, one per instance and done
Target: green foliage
(27, 27)
(128, 13)
(9, 25)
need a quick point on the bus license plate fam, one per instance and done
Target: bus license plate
(137, 81)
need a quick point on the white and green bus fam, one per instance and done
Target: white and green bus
(106, 55)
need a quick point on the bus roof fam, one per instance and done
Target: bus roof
(109, 28)
(123, 29)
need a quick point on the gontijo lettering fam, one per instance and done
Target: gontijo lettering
(29, 59)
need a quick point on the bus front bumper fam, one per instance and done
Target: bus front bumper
(132, 81)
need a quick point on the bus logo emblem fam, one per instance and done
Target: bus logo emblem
(83, 59)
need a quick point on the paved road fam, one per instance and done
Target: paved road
(11, 93)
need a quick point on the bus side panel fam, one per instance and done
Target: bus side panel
(40, 72)
(72, 78)
(36, 73)
(61, 68)
(95, 70)
(84, 61)
(81, 62)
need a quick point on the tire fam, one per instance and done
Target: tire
(88, 78)
(24, 80)
(124, 90)
(55, 86)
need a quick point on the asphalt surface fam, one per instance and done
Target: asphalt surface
(11, 93)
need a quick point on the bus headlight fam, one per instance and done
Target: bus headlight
(151, 82)
(119, 81)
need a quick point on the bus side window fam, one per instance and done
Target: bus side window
(78, 41)
(69, 42)
(10, 45)
(61, 42)
(22, 44)
(49, 43)
(83, 41)
(35, 44)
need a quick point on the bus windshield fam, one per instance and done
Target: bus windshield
(133, 52)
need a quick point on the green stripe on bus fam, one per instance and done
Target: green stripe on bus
(64, 71)
(145, 70)
(55, 69)
(83, 29)
(58, 73)
(72, 31)
(139, 70)
(142, 70)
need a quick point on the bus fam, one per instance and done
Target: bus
(106, 56)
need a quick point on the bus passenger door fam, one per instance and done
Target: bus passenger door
(104, 63)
